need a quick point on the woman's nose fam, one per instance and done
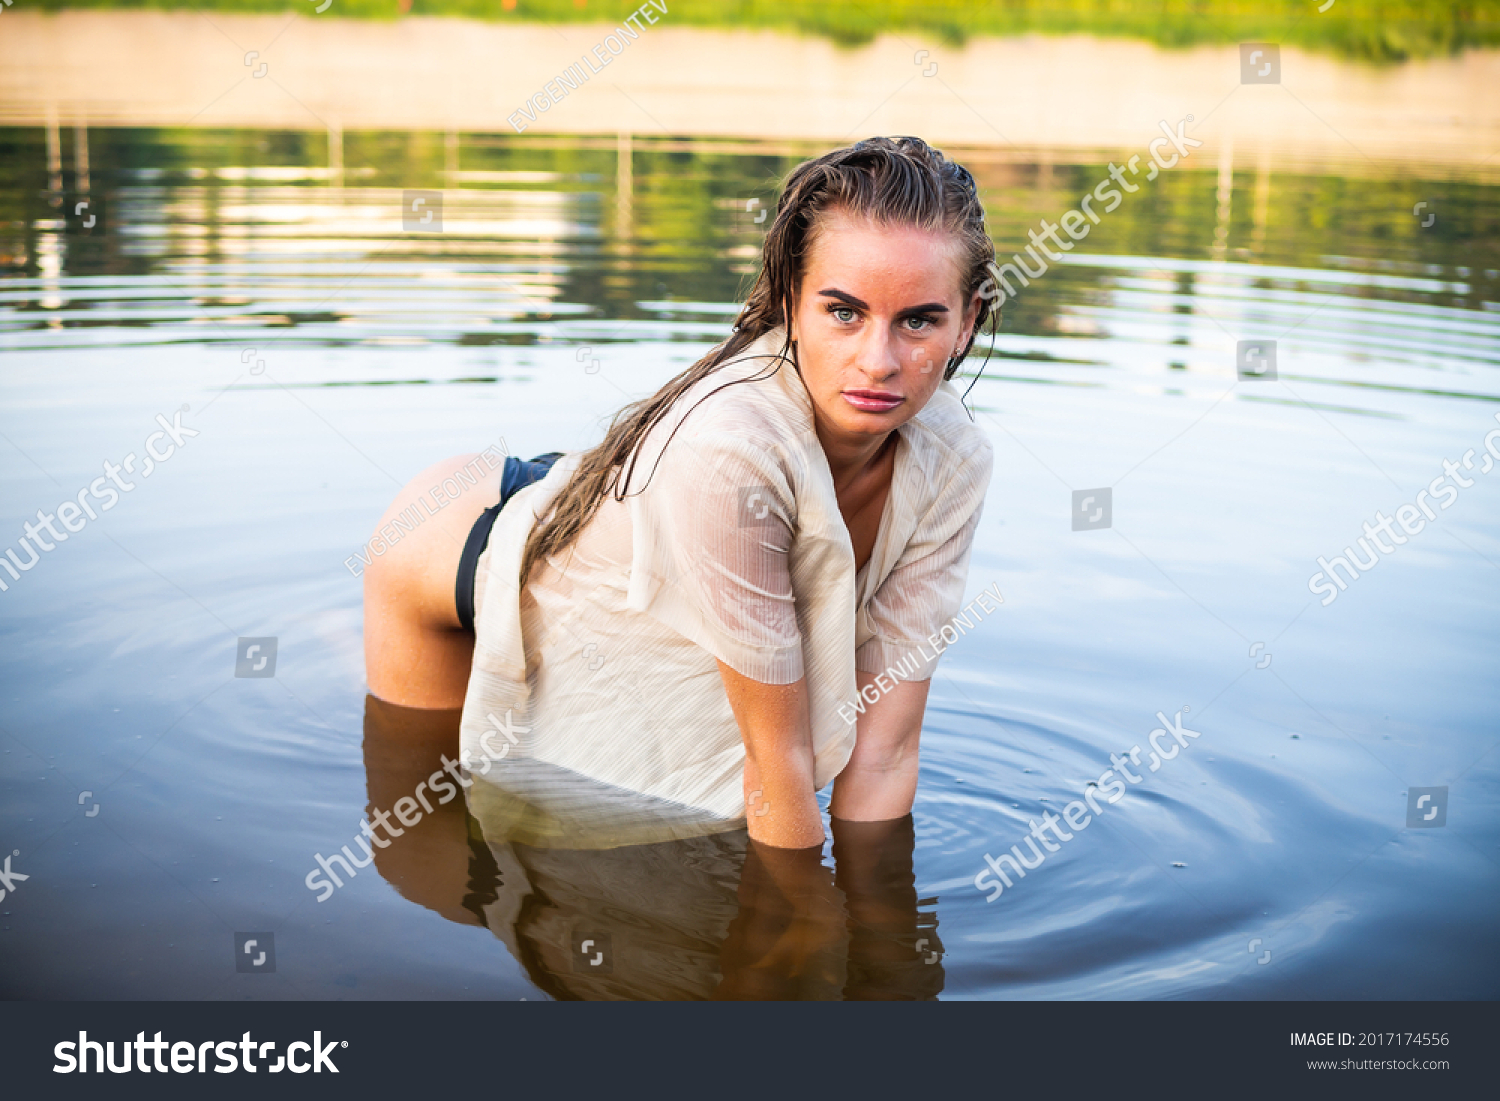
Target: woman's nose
(881, 358)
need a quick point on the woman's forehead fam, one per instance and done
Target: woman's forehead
(879, 255)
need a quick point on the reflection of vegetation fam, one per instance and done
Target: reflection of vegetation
(685, 233)
(1378, 29)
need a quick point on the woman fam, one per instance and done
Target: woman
(691, 609)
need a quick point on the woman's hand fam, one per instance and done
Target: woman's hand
(781, 805)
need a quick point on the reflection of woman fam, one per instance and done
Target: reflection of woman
(690, 609)
(688, 917)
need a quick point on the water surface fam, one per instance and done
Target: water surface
(325, 355)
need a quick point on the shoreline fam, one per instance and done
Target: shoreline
(179, 69)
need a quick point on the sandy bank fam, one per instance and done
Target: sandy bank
(186, 69)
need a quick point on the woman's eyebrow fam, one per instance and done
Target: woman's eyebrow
(847, 299)
(850, 300)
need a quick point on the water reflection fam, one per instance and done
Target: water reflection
(599, 895)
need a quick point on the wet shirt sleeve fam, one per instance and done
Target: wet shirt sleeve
(712, 532)
(925, 590)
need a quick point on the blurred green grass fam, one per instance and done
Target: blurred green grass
(1376, 30)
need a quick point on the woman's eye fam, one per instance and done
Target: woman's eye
(843, 314)
(918, 323)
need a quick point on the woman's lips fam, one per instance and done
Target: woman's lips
(872, 401)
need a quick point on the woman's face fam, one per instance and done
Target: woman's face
(879, 312)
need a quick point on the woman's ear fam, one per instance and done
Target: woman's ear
(971, 315)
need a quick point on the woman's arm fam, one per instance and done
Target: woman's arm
(880, 780)
(878, 784)
(920, 596)
(781, 805)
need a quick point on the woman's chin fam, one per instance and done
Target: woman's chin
(853, 422)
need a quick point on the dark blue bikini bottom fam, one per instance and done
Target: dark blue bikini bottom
(517, 475)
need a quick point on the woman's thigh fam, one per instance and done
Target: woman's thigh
(416, 654)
